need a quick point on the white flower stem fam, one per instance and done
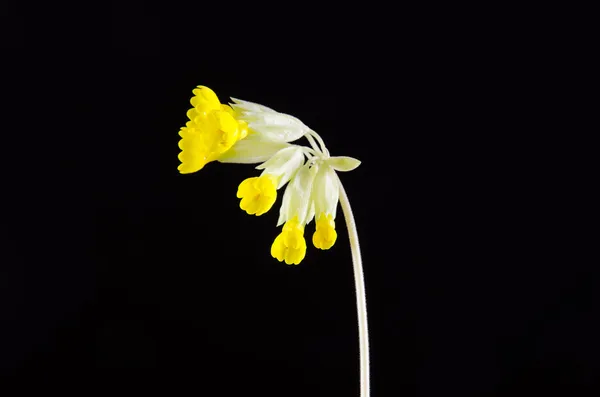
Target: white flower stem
(361, 298)
(321, 143)
(312, 142)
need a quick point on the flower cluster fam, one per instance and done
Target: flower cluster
(245, 132)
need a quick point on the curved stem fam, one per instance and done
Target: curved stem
(321, 143)
(309, 152)
(361, 298)
(312, 142)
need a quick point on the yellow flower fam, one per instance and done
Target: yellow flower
(258, 194)
(211, 131)
(325, 197)
(290, 245)
(325, 234)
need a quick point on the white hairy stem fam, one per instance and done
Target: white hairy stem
(361, 298)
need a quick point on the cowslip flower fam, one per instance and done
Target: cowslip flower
(211, 131)
(258, 194)
(248, 133)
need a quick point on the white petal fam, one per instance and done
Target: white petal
(271, 119)
(297, 197)
(268, 123)
(249, 106)
(343, 163)
(285, 204)
(326, 191)
(284, 164)
(251, 150)
(287, 133)
(311, 212)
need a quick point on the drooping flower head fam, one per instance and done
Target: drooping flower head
(249, 133)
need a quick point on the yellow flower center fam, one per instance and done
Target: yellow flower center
(290, 244)
(258, 194)
(325, 234)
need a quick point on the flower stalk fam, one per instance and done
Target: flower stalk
(361, 297)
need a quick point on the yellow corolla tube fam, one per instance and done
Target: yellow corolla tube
(211, 131)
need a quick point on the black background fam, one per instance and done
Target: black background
(118, 272)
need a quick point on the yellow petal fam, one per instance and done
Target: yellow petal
(258, 194)
(290, 245)
(295, 256)
(205, 100)
(190, 162)
(245, 188)
(278, 249)
(325, 234)
(192, 114)
(227, 109)
(226, 122)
